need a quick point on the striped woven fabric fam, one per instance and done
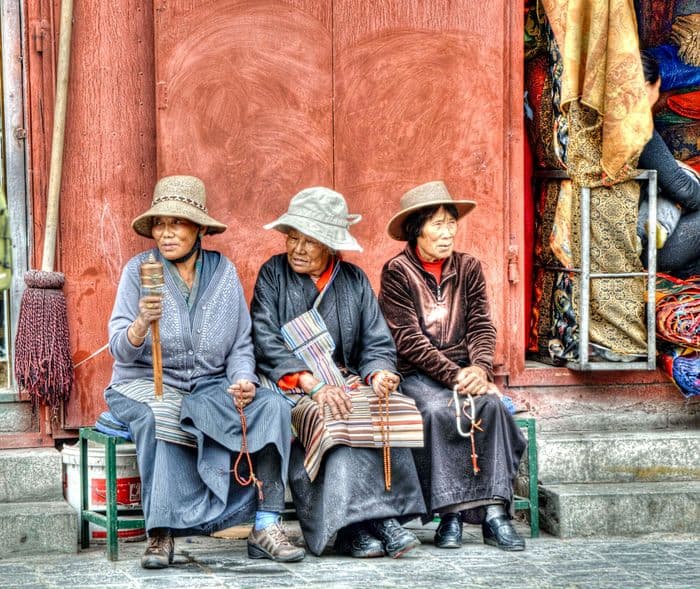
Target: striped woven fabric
(166, 412)
(678, 310)
(362, 429)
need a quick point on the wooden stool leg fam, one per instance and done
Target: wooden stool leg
(111, 499)
(84, 497)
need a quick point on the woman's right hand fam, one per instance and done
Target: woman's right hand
(337, 400)
(150, 309)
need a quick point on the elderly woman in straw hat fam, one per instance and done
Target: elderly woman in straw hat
(321, 340)
(188, 442)
(434, 300)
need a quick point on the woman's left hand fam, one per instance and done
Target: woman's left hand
(384, 383)
(243, 392)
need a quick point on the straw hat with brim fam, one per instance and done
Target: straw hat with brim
(426, 195)
(322, 214)
(178, 196)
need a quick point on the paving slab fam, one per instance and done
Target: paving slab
(657, 561)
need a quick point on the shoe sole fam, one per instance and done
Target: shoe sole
(155, 564)
(404, 550)
(517, 548)
(257, 552)
(377, 554)
(448, 545)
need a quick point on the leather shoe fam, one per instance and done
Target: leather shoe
(397, 540)
(449, 532)
(500, 532)
(356, 541)
(159, 550)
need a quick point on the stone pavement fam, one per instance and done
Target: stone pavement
(652, 562)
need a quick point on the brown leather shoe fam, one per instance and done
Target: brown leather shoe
(272, 542)
(160, 550)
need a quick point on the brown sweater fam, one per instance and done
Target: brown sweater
(438, 328)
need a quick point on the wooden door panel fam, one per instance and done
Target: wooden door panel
(243, 93)
(419, 95)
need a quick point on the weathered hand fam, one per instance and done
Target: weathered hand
(472, 380)
(243, 392)
(337, 400)
(150, 309)
(384, 383)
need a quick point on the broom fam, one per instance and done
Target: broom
(43, 366)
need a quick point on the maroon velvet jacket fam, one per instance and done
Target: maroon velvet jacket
(438, 328)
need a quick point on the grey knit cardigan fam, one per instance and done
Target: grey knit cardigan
(215, 343)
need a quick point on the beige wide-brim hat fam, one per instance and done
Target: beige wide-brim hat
(322, 214)
(426, 195)
(178, 196)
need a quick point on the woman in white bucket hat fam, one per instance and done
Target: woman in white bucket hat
(188, 442)
(321, 341)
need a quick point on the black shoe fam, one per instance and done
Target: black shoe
(500, 532)
(397, 540)
(356, 541)
(449, 532)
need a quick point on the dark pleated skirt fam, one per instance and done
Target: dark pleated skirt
(349, 489)
(444, 463)
(192, 490)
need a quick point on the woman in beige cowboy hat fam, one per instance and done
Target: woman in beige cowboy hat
(188, 441)
(434, 300)
(321, 340)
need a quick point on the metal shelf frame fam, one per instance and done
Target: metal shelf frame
(584, 363)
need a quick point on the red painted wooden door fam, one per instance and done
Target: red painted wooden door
(263, 98)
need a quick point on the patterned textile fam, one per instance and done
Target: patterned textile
(682, 140)
(678, 310)
(362, 429)
(539, 92)
(165, 412)
(560, 130)
(602, 69)
(693, 162)
(682, 365)
(617, 305)
(655, 19)
(687, 105)
(535, 35)
(686, 34)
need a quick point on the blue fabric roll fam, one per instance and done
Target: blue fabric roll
(674, 72)
(686, 374)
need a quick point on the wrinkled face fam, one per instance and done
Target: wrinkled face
(653, 91)
(437, 236)
(306, 255)
(174, 236)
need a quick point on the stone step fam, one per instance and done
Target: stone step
(665, 455)
(16, 416)
(34, 528)
(614, 509)
(32, 474)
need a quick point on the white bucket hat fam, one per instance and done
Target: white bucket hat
(322, 214)
(178, 196)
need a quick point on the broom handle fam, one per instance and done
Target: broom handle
(157, 361)
(59, 128)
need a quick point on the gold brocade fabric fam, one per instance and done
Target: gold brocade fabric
(617, 305)
(600, 49)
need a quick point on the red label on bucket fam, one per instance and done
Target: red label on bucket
(128, 491)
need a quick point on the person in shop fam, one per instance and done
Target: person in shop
(434, 300)
(189, 442)
(680, 254)
(320, 338)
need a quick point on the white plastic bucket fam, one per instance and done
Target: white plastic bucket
(128, 485)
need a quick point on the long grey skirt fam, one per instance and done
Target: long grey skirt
(349, 488)
(192, 490)
(444, 463)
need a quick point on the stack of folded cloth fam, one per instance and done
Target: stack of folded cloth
(686, 34)
(108, 424)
